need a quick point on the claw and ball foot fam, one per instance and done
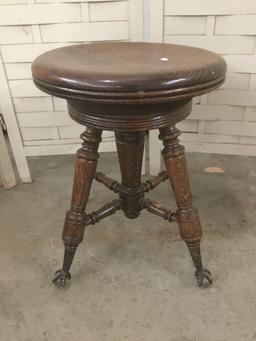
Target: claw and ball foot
(203, 277)
(60, 277)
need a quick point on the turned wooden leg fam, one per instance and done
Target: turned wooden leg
(187, 217)
(130, 147)
(73, 231)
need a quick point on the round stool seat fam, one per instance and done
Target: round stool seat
(128, 72)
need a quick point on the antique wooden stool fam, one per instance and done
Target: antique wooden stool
(129, 88)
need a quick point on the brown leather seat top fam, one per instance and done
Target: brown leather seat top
(127, 67)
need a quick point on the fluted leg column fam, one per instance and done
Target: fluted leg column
(187, 217)
(73, 231)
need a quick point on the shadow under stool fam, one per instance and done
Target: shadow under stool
(129, 88)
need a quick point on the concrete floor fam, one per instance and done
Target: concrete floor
(131, 280)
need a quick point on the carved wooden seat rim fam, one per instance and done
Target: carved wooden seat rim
(129, 98)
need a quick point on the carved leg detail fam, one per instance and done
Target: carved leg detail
(73, 231)
(187, 217)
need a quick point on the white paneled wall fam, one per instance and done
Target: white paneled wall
(39, 124)
(223, 121)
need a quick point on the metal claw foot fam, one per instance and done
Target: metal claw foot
(60, 277)
(200, 275)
